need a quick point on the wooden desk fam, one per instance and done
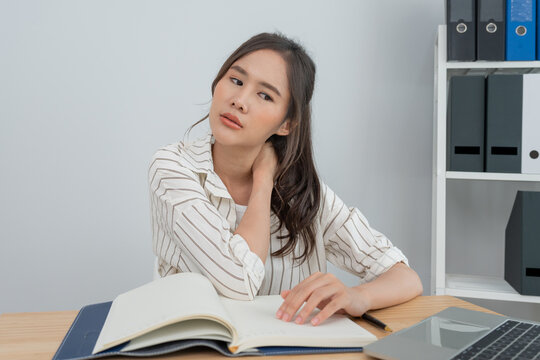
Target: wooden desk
(38, 335)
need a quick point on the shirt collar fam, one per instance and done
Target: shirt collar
(198, 158)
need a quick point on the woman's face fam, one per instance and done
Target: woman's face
(254, 93)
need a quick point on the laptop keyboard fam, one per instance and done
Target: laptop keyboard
(510, 340)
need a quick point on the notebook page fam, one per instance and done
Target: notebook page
(159, 303)
(257, 325)
(188, 329)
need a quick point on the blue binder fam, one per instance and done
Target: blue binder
(521, 30)
(84, 332)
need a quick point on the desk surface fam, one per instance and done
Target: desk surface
(38, 335)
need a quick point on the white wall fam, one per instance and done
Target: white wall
(90, 89)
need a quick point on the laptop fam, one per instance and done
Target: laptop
(457, 333)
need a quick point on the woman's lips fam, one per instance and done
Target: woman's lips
(230, 123)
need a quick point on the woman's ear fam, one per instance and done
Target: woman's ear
(284, 128)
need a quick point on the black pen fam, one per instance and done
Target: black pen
(376, 322)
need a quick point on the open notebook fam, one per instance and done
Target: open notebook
(184, 310)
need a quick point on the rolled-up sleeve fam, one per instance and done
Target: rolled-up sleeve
(351, 244)
(182, 213)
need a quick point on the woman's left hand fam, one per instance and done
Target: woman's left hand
(324, 291)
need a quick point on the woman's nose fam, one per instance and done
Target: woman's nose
(239, 102)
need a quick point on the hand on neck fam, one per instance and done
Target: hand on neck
(234, 164)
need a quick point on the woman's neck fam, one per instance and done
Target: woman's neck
(233, 164)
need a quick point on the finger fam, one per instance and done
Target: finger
(321, 294)
(285, 293)
(299, 295)
(332, 307)
(323, 303)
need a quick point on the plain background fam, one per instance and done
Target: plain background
(90, 89)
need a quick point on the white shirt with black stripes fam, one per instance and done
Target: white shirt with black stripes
(194, 218)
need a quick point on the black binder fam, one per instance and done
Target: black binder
(466, 120)
(461, 30)
(522, 244)
(504, 123)
(491, 32)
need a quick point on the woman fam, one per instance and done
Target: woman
(244, 206)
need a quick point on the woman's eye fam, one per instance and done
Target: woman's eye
(236, 81)
(265, 96)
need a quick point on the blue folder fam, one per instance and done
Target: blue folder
(537, 30)
(521, 30)
(84, 332)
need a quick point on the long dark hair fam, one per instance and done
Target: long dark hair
(296, 195)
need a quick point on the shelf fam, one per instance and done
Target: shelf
(492, 64)
(491, 176)
(463, 285)
(484, 287)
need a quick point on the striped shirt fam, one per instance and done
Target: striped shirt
(194, 218)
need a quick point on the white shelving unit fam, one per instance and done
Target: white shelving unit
(464, 285)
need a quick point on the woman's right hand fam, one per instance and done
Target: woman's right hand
(265, 163)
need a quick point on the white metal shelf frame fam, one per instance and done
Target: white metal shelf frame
(492, 176)
(462, 284)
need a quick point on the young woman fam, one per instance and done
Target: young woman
(244, 205)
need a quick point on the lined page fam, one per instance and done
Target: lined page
(257, 325)
(187, 329)
(160, 303)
